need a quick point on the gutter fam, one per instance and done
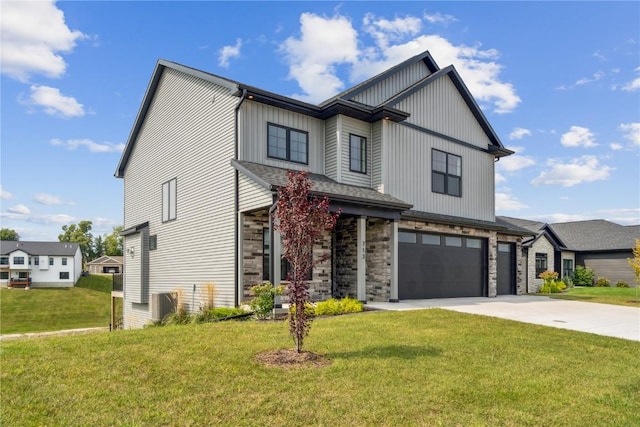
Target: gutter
(237, 201)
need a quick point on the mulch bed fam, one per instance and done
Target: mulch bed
(291, 359)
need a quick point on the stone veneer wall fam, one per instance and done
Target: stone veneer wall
(378, 265)
(252, 229)
(492, 237)
(542, 245)
(320, 285)
(346, 261)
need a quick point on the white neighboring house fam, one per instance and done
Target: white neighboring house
(39, 264)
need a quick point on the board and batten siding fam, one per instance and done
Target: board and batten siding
(612, 265)
(406, 163)
(376, 156)
(331, 147)
(188, 134)
(253, 119)
(252, 195)
(393, 84)
(440, 107)
(351, 126)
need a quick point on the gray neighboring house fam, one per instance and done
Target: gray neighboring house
(601, 245)
(407, 156)
(105, 265)
(39, 264)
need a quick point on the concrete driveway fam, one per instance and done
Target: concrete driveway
(602, 319)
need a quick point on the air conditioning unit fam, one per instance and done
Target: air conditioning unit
(161, 305)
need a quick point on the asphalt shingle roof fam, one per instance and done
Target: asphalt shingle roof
(520, 223)
(596, 235)
(39, 248)
(273, 177)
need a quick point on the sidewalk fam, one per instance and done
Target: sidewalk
(8, 337)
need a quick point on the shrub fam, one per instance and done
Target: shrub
(548, 275)
(553, 287)
(263, 299)
(622, 284)
(568, 281)
(214, 314)
(333, 307)
(603, 282)
(583, 276)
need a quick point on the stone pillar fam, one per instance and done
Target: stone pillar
(393, 244)
(361, 242)
(493, 264)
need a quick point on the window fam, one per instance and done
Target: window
(287, 144)
(64, 275)
(504, 247)
(50, 260)
(64, 261)
(541, 263)
(405, 237)
(29, 260)
(23, 275)
(430, 239)
(357, 153)
(169, 200)
(285, 266)
(4, 260)
(567, 268)
(446, 173)
(153, 242)
(453, 241)
(36, 260)
(474, 243)
(4, 275)
(18, 260)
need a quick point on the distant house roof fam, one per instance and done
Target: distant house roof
(271, 177)
(497, 225)
(39, 248)
(106, 259)
(526, 224)
(595, 235)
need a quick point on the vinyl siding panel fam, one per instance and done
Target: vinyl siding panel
(393, 85)
(440, 107)
(188, 137)
(331, 150)
(356, 127)
(407, 174)
(253, 119)
(253, 195)
(612, 265)
(376, 156)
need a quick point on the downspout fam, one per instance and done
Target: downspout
(237, 201)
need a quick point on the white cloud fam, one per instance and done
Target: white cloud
(631, 132)
(507, 202)
(34, 34)
(4, 194)
(439, 18)
(499, 178)
(325, 44)
(52, 219)
(518, 133)
(578, 136)
(615, 146)
(94, 147)
(624, 216)
(559, 217)
(54, 103)
(19, 209)
(228, 52)
(596, 76)
(515, 162)
(633, 85)
(577, 171)
(50, 200)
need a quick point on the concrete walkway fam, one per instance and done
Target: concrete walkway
(602, 319)
(7, 337)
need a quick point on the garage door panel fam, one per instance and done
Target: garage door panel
(439, 271)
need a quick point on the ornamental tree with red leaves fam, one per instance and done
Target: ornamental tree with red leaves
(301, 220)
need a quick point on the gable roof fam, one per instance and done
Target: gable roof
(595, 235)
(534, 226)
(271, 177)
(106, 259)
(39, 248)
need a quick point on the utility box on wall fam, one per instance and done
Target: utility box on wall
(161, 305)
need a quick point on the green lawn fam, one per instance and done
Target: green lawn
(88, 304)
(428, 367)
(618, 296)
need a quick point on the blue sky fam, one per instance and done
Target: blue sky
(559, 82)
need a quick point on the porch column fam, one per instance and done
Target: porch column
(492, 282)
(361, 254)
(276, 255)
(240, 266)
(393, 246)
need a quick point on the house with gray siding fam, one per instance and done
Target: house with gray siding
(39, 264)
(601, 245)
(407, 156)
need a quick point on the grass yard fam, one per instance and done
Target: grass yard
(50, 309)
(618, 296)
(428, 367)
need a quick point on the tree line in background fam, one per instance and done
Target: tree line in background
(92, 247)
